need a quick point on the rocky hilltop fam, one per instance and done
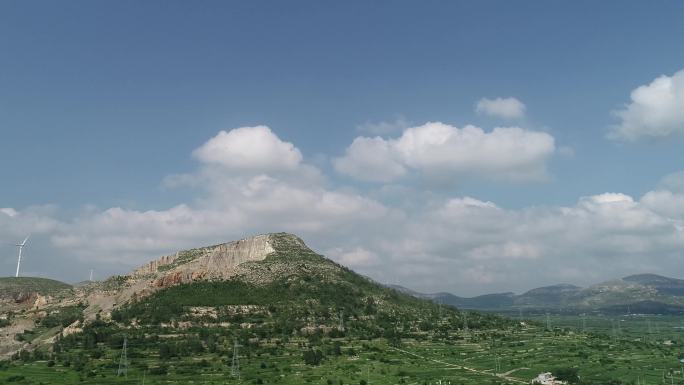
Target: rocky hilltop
(25, 301)
(210, 263)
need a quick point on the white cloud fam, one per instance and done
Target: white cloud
(438, 149)
(655, 110)
(461, 244)
(506, 250)
(278, 192)
(249, 148)
(464, 236)
(230, 208)
(358, 257)
(608, 198)
(665, 202)
(10, 212)
(370, 159)
(506, 108)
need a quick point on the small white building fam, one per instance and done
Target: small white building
(547, 379)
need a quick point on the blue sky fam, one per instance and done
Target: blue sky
(101, 103)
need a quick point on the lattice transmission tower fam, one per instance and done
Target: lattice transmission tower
(123, 361)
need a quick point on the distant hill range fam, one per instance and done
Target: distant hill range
(641, 293)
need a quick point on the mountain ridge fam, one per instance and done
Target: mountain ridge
(638, 291)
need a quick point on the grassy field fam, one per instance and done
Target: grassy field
(642, 349)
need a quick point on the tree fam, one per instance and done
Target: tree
(313, 357)
(569, 375)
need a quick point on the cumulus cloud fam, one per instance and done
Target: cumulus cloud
(358, 257)
(656, 110)
(440, 242)
(249, 148)
(371, 159)
(274, 190)
(665, 202)
(510, 153)
(506, 108)
(464, 236)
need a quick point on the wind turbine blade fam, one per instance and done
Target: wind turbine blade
(26, 240)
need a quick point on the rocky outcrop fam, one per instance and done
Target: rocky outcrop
(206, 263)
(25, 297)
(217, 261)
(153, 266)
(75, 327)
(41, 301)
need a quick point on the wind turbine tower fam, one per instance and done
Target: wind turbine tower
(21, 248)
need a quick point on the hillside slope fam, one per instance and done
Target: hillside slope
(12, 288)
(290, 279)
(273, 281)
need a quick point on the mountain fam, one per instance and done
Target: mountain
(643, 293)
(486, 301)
(273, 284)
(547, 296)
(664, 285)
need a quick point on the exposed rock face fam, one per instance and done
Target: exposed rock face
(41, 301)
(153, 266)
(75, 327)
(25, 297)
(213, 262)
(207, 263)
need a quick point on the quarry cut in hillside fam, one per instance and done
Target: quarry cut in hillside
(218, 262)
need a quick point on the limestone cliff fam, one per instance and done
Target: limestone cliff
(216, 262)
(212, 262)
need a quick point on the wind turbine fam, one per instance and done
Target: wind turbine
(21, 248)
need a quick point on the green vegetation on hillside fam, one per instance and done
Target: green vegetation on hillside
(644, 350)
(299, 318)
(11, 287)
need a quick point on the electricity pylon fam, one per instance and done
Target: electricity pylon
(123, 361)
(235, 366)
